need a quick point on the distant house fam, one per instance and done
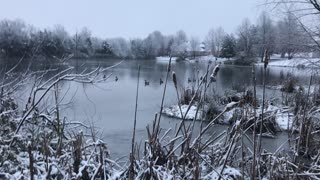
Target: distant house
(184, 50)
(202, 47)
(200, 51)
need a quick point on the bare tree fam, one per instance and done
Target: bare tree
(179, 46)
(168, 44)
(181, 37)
(266, 34)
(303, 14)
(210, 41)
(291, 37)
(214, 40)
(83, 42)
(219, 37)
(246, 37)
(194, 45)
(158, 42)
(13, 38)
(120, 47)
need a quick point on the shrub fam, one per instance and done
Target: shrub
(245, 61)
(281, 76)
(301, 66)
(229, 62)
(289, 85)
(187, 95)
(239, 87)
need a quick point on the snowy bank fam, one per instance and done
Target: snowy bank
(165, 58)
(211, 58)
(295, 62)
(227, 173)
(198, 58)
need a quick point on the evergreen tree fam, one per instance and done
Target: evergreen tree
(228, 47)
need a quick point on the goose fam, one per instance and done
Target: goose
(189, 80)
(116, 78)
(161, 81)
(146, 83)
(203, 78)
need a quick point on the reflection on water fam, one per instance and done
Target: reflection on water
(110, 104)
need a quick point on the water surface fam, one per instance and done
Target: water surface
(110, 105)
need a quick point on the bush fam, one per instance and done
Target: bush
(239, 87)
(245, 61)
(212, 110)
(281, 76)
(187, 95)
(289, 85)
(229, 62)
(301, 66)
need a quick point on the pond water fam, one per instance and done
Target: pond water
(110, 105)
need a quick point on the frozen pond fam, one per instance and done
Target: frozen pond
(110, 105)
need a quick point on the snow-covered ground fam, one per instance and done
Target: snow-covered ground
(284, 120)
(297, 55)
(295, 62)
(228, 173)
(198, 58)
(165, 58)
(210, 58)
(276, 60)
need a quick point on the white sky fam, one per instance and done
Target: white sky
(133, 18)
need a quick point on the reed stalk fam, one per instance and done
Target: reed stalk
(253, 168)
(131, 171)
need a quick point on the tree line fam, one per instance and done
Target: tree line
(284, 36)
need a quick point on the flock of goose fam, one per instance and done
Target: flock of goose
(147, 83)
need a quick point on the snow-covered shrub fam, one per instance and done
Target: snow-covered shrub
(289, 85)
(38, 145)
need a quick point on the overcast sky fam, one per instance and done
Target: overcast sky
(133, 18)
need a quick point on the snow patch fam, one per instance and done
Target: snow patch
(228, 173)
(174, 111)
(165, 58)
(284, 120)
